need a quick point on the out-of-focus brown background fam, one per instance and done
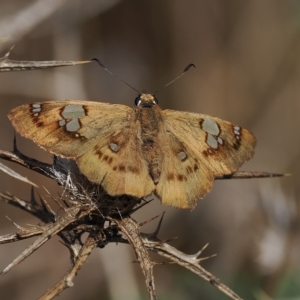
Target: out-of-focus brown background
(247, 55)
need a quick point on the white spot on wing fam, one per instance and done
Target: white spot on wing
(182, 155)
(73, 112)
(62, 122)
(73, 125)
(237, 132)
(212, 142)
(114, 147)
(36, 109)
(210, 126)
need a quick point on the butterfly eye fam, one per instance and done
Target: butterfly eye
(137, 100)
(155, 100)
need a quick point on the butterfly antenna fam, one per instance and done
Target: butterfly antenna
(111, 73)
(185, 70)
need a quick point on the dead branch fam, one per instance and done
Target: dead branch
(81, 258)
(7, 65)
(249, 174)
(141, 242)
(189, 262)
(49, 230)
(132, 232)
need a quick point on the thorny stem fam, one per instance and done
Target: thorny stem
(131, 230)
(69, 217)
(190, 262)
(141, 242)
(7, 65)
(74, 222)
(67, 280)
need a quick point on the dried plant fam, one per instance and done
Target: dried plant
(8, 65)
(106, 219)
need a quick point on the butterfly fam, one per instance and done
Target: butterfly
(138, 151)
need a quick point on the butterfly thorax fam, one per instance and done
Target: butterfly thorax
(149, 115)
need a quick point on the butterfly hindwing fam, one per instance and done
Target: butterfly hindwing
(116, 163)
(184, 179)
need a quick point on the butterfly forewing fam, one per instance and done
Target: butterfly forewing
(222, 146)
(53, 127)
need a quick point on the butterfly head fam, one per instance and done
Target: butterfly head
(145, 100)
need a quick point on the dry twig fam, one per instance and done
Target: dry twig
(8, 65)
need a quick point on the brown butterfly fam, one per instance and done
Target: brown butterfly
(137, 151)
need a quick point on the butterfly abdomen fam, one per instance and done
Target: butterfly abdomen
(151, 120)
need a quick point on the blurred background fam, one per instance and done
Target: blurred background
(247, 55)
